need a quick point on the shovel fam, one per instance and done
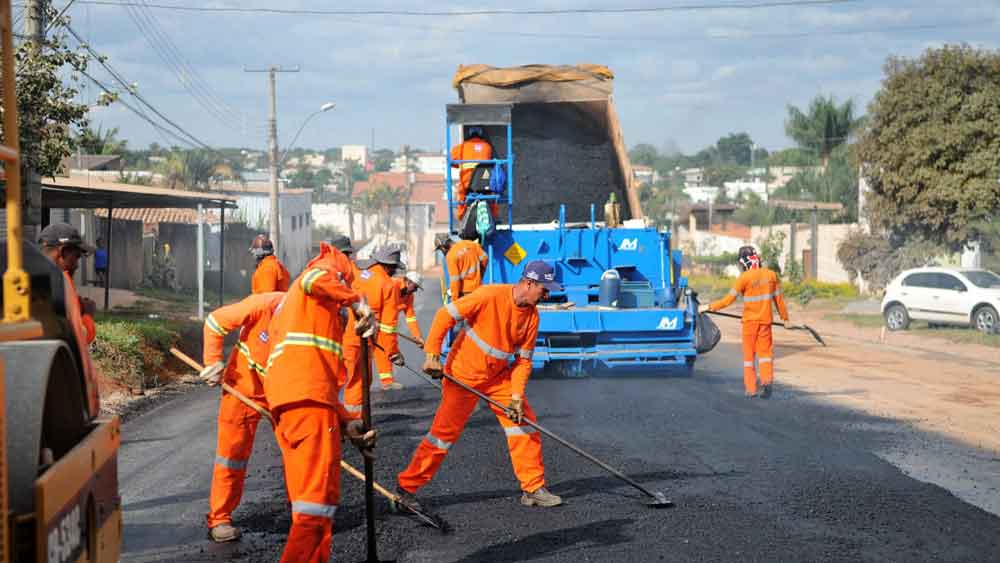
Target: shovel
(807, 328)
(430, 519)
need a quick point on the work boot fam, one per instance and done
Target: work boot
(750, 395)
(224, 533)
(407, 501)
(541, 497)
(766, 392)
(394, 386)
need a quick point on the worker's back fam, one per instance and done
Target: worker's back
(759, 287)
(466, 262)
(270, 275)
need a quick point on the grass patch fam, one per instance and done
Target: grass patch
(711, 288)
(959, 335)
(864, 321)
(132, 352)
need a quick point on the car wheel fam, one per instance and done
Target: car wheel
(986, 319)
(896, 317)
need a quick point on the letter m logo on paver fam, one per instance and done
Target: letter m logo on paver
(667, 323)
(629, 244)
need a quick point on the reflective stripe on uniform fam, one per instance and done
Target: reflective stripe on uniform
(353, 408)
(214, 326)
(522, 430)
(411, 319)
(453, 311)
(765, 297)
(748, 364)
(388, 329)
(385, 376)
(486, 348)
(437, 442)
(304, 339)
(309, 278)
(469, 271)
(733, 292)
(314, 508)
(525, 354)
(468, 165)
(234, 464)
(245, 352)
(763, 360)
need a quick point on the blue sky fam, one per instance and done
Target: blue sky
(682, 77)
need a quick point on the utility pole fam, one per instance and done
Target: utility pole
(272, 142)
(34, 28)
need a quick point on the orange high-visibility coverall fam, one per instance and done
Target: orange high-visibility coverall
(350, 377)
(382, 293)
(466, 262)
(270, 275)
(301, 388)
(85, 332)
(758, 287)
(237, 422)
(472, 149)
(492, 353)
(406, 307)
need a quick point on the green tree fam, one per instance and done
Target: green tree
(823, 127)
(837, 184)
(718, 174)
(734, 148)
(643, 154)
(101, 141)
(382, 160)
(792, 157)
(931, 147)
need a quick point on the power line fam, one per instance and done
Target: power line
(483, 12)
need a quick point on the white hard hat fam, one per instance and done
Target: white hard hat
(414, 277)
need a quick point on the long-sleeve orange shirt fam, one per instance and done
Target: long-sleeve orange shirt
(473, 149)
(270, 275)
(466, 262)
(406, 307)
(758, 287)
(382, 293)
(306, 334)
(496, 341)
(245, 367)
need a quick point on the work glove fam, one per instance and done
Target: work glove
(419, 342)
(432, 366)
(397, 359)
(788, 324)
(362, 439)
(212, 375)
(515, 410)
(365, 325)
(702, 309)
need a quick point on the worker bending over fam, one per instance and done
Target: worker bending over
(492, 353)
(758, 286)
(270, 274)
(237, 422)
(302, 391)
(475, 147)
(466, 262)
(350, 374)
(382, 293)
(408, 287)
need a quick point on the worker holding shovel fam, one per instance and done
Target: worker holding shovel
(759, 287)
(491, 354)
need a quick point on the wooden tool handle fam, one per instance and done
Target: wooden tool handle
(225, 386)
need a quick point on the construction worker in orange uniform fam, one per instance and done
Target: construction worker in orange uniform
(759, 287)
(302, 391)
(408, 287)
(492, 353)
(270, 274)
(466, 263)
(475, 147)
(237, 422)
(382, 293)
(350, 376)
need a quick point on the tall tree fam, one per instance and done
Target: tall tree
(101, 141)
(643, 154)
(823, 127)
(735, 148)
(931, 146)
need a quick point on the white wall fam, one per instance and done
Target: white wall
(830, 236)
(295, 246)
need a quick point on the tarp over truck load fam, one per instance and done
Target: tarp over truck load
(567, 140)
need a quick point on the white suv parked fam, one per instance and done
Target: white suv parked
(943, 296)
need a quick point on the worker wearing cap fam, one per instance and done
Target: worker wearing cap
(408, 287)
(475, 147)
(301, 389)
(492, 353)
(237, 422)
(376, 284)
(62, 244)
(466, 262)
(350, 375)
(759, 287)
(271, 274)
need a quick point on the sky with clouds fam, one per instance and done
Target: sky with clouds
(681, 77)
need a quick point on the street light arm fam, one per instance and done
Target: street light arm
(281, 160)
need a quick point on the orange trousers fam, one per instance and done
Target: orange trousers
(757, 342)
(352, 380)
(237, 428)
(383, 367)
(523, 441)
(309, 437)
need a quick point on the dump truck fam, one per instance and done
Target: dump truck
(626, 308)
(58, 455)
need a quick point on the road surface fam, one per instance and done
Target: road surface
(794, 478)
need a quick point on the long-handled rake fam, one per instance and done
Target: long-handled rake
(807, 328)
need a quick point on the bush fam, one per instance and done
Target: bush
(806, 291)
(131, 352)
(879, 259)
